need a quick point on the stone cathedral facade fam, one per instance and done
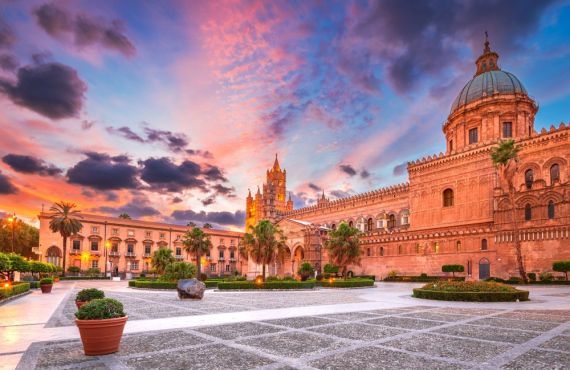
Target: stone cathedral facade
(454, 208)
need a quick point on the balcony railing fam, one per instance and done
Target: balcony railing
(147, 255)
(75, 251)
(95, 252)
(221, 258)
(233, 260)
(114, 253)
(179, 257)
(130, 254)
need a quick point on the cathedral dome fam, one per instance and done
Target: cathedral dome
(486, 84)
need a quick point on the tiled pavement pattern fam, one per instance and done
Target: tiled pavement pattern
(144, 304)
(419, 337)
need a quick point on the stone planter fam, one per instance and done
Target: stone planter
(46, 288)
(101, 337)
(79, 304)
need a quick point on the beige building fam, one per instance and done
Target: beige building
(127, 245)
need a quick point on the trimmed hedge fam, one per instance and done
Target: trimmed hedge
(14, 290)
(350, 283)
(521, 295)
(250, 284)
(154, 284)
(372, 277)
(551, 282)
(422, 279)
(84, 278)
(212, 283)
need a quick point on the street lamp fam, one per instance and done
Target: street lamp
(12, 220)
(107, 246)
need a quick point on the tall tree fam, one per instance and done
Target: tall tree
(207, 226)
(198, 242)
(161, 258)
(505, 159)
(125, 216)
(344, 246)
(65, 221)
(26, 237)
(264, 243)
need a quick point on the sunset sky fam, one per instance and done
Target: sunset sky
(171, 110)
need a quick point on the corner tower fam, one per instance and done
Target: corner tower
(492, 106)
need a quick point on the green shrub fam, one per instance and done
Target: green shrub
(87, 295)
(545, 276)
(495, 279)
(371, 277)
(452, 268)
(240, 278)
(13, 290)
(100, 309)
(331, 269)
(281, 284)
(179, 270)
(350, 283)
(272, 278)
(155, 284)
(132, 283)
(515, 280)
(142, 275)
(562, 266)
(73, 269)
(419, 279)
(288, 278)
(212, 283)
(531, 276)
(319, 277)
(203, 277)
(424, 275)
(393, 273)
(84, 278)
(45, 281)
(306, 270)
(326, 275)
(477, 291)
(93, 271)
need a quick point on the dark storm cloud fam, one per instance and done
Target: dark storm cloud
(400, 169)
(364, 174)
(53, 90)
(224, 190)
(101, 172)
(342, 194)
(59, 23)
(9, 62)
(221, 218)
(175, 142)
(202, 153)
(86, 125)
(125, 132)
(412, 38)
(314, 187)
(7, 37)
(6, 186)
(139, 206)
(210, 200)
(348, 169)
(213, 173)
(176, 200)
(30, 165)
(162, 173)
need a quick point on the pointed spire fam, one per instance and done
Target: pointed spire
(290, 200)
(258, 192)
(249, 193)
(323, 197)
(488, 60)
(276, 164)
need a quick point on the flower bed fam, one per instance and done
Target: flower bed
(279, 284)
(15, 289)
(84, 278)
(350, 283)
(152, 284)
(421, 279)
(474, 291)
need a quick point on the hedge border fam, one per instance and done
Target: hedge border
(13, 290)
(268, 285)
(419, 279)
(84, 278)
(352, 283)
(521, 295)
(146, 284)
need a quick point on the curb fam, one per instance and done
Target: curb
(14, 297)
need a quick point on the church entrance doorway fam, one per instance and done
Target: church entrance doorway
(484, 268)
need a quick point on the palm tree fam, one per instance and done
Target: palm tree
(344, 246)
(65, 221)
(198, 242)
(191, 224)
(207, 226)
(125, 216)
(505, 159)
(264, 243)
(161, 258)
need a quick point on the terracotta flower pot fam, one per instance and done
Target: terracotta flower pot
(101, 337)
(46, 288)
(56, 279)
(79, 304)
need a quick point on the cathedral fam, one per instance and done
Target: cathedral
(454, 209)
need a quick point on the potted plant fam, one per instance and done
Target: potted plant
(306, 270)
(101, 323)
(87, 295)
(46, 284)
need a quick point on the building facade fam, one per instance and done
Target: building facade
(126, 245)
(454, 209)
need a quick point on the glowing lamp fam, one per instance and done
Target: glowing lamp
(259, 281)
(10, 219)
(108, 244)
(331, 280)
(7, 284)
(203, 261)
(85, 256)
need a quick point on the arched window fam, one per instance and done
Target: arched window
(527, 212)
(484, 244)
(554, 173)
(53, 255)
(368, 252)
(419, 248)
(370, 224)
(391, 222)
(436, 248)
(448, 198)
(399, 249)
(551, 210)
(381, 251)
(528, 178)
(333, 226)
(351, 224)
(458, 246)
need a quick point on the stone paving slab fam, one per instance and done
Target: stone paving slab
(516, 324)
(358, 331)
(560, 342)
(405, 322)
(436, 316)
(233, 331)
(300, 322)
(537, 359)
(489, 333)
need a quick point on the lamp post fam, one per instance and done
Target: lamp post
(12, 220)
(107, 246)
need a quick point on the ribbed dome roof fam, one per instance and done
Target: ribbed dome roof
(488, 83)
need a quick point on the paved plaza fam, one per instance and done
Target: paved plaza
(381, 327)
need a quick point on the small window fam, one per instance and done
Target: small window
(213, 267)
(473, 137)
(507, 129)
(551, 210)
(528, 178)
(94, 229)
(554, 173)
(448, 198)
(147, 249)
(406, 220)
(162, 235)
(370, 224)
(399, 249)
(135, 265)
(232, 241)
(130, 248)
(391, 221)
(177, 237)
(178, 251)
(484, 65)
(95, 264)
(333, 226)
(232, 254)
(115, 247)
(419, 248)
(76, 245)
(227, 268)
(368, 252)
(221, 254)
(94, 245)
(450, 145)
(131, 233)
(115, 231)
(484, 244)
(436, 247)
(458, 246)
(148, 234)
(491, 64)
(222, 241)
(527, 212)
(381, 251)
(351, 224)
